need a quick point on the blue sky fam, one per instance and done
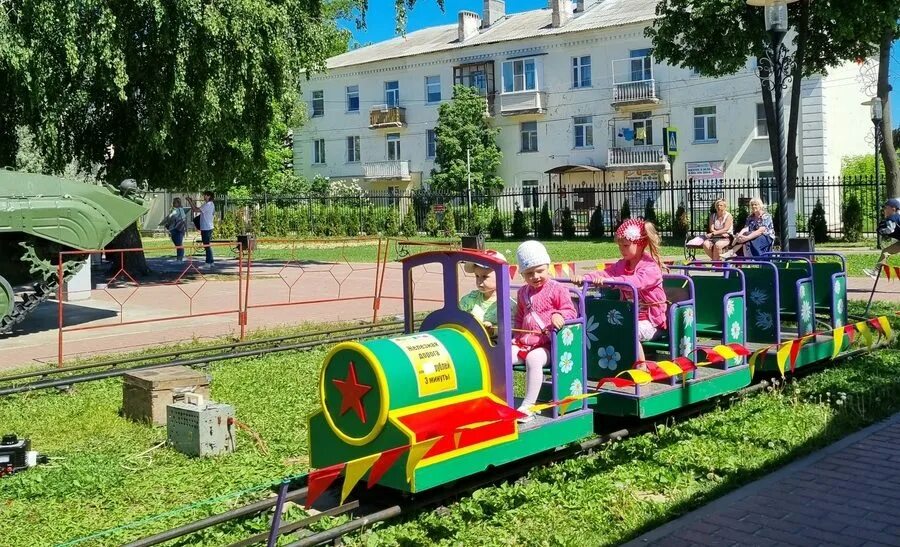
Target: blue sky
(426, 13)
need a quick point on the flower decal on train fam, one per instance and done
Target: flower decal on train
(805, 310)
(590, 328)
(759, 296)
(837, 287)
(688, 317)
(802, 292)
(686, 346)
(729, 308)
(735, 330)
(567, 336)
(576, 388)
(566, 363)
(839, 306)
(614, 317)
(609, 357)
(764, 320)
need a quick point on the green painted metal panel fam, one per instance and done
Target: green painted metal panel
(822, 272)
(325, 448)
(839, 301)
(682, 329)
(711, 291)
(735, 331)
(762, 314)
(810, 352)
(611, 336)
(569, 364)
(806, 315)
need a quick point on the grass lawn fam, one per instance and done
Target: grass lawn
(106, 471)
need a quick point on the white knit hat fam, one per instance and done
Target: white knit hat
(530, 254)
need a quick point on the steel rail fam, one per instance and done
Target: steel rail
(189, 351)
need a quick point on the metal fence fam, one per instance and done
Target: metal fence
(600, 205)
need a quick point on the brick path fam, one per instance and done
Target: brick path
(845, 494)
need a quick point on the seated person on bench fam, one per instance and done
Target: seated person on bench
(757, 236)
(482, 302)
(641, 266)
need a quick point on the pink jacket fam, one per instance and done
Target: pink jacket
(551, 298)
(647, 279)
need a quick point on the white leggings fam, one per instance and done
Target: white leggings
(535, 361)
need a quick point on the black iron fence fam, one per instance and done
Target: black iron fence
(848, 208)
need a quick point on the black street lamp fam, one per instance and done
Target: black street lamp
(875, 110)
(774, 72)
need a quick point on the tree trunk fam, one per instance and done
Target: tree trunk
(769, 106)
(135, 264)
(891, 169)
(796, 86)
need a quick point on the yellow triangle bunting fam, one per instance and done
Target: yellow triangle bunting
(782, 356)
(670, 368)
(355, 471)
(838, 341)
(416, 453)
(752, 361)
(886, 327)
(866, 333)
(638, 376)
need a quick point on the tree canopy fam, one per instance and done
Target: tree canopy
(464, 126)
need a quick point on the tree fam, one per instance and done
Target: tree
(408, 227)
(595, 228)
(186, 95)
(827, 34)
(448, 223)
(568, 224)
(818, 224)
(462, 127)
(496, 229)
(520, 228)
(650, 212)
(681, 226)
(625, 211)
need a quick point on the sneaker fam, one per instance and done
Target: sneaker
(529, 415)
(871, 273)
(727, 254)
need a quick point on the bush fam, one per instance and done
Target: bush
(740, 219)
(392, 223)
(568, 224)
(650, 212)
(681, 226)
(519, 226)
(853, 219)
(545, 224)
(663, 222)
(448, 223)
(408, 227)
(431, 224)
(818, 225)
(496, 229)
(595, 227)
(625, 211)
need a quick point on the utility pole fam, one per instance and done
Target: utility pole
(469, 189)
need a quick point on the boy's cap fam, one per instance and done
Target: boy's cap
(469, 267)
(893, 202)
(530, 254)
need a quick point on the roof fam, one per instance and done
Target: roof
(574, 169)
(515, 26)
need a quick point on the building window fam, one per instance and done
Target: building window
(705, 124)
(643, 128)
(319, 151)
(581, 71)
(392, 94)
(430, 143)
(432, 89)
(529, 137)
(393, 146)
(641, 65)
(519, 75)
(762, 130)
(352, 98)
(528, 189)
(352, 149)
(584, 131)
(318, 103)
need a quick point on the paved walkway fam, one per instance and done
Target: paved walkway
(846, 494)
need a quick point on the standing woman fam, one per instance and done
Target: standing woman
(176, 224)
(721, 231)
(207, 212)
(758, 235)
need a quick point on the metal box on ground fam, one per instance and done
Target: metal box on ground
(201, 429)
(147, 393)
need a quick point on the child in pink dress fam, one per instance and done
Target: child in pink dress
(542, 303)
(641, 266)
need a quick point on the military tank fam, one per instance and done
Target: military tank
(42, 215)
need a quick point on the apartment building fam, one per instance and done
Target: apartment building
(578, 97)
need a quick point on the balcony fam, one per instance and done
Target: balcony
(632, 156)
(633, 83)
(387, 116)
(386, 170)
(523, 102)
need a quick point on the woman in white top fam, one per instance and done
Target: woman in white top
(721, 230)
(206, 213)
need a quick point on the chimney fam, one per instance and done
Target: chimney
(494, 10)
(579, 6)
(469, 22)
(561, 14)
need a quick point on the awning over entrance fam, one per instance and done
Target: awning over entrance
(564, 169)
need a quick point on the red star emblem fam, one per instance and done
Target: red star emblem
(352, 393)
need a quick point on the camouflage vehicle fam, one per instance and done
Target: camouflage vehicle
(39, 217)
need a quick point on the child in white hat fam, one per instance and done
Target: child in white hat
(542, 303)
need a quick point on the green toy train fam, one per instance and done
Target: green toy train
(39, 217)
(437, 404)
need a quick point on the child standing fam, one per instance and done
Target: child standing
(542, 303)
(641, 266)
(889, 227)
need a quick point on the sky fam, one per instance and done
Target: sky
(426, 13)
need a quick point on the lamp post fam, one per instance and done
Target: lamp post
(875, 110)
(774, 72)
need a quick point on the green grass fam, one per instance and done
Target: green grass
(106, 471)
